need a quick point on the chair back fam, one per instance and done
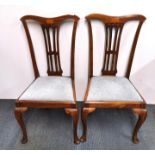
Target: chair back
(113, 31)
(50, 28)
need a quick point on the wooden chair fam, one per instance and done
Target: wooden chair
(54, 90)
(109, 90)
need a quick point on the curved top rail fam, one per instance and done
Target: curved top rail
(115, 19)
(43, 20)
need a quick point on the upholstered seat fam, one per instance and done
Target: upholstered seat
(51, 88)
(112, 88)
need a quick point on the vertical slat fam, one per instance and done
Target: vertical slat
(50, 48)
(106, 47)
(115, 63)
(115, 39)
(46, 46)
(117, 45)
(119, 37)
(107, 64)
(110, 37)
(54, 50)
(114, 49)
(110, 62)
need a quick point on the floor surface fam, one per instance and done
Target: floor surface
(52, 129)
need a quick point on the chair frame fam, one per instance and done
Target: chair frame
(111, 22)
(70, 107)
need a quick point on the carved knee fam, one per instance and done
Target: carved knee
(140, 112)
(20, 109)
(88, 110)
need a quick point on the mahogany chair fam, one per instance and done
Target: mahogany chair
(54, 90)
(109, 90)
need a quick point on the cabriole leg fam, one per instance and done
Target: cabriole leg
(142, 114)
(84, 115)
(19, 118)
(74, 113)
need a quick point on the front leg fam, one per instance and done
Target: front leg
(74, 113)
(19, 118)
(142, 114)
(84, 115)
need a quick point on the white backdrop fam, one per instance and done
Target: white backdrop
(15, 64)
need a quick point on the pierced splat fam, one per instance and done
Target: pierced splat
(52, 51)
(112, 36)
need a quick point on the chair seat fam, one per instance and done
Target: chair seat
(51, 88)
(111, 88)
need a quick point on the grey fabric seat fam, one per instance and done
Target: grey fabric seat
(111, 88)
(51, 88)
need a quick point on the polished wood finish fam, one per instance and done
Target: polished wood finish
(84, 114)
(112, 24)
(142, 114)
(53, 58)
(52, 53)
(74, 113)
(113, 29)
(18, 114)
(49, 25)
